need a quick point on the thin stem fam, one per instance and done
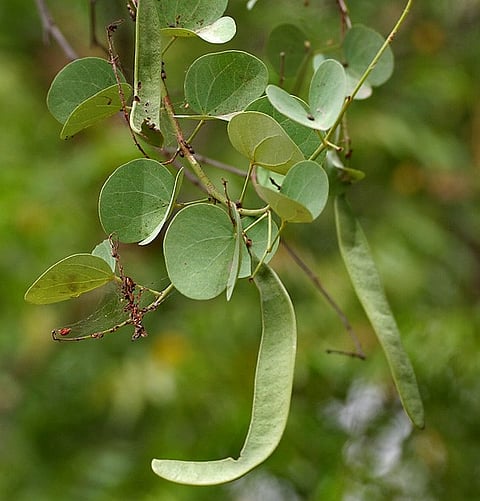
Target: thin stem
(195, 131)
(364, 77)
(51, 29)
(346, 22)
(169, 44)
(114, 62)
(186, 151)
(319, 286)
(245, 184)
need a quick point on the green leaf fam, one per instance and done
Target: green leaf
(136, 200)
(304, 137)
(263, 141)
(360, 46)
(224, 82)
(76, 83)
(326, 97)
(102, 105)
(259, 236)
(307, 183)
(104, 250)
(70, 278)
(190, 14)
(199, 248)
(327, 93)
(272, 394)
(302, 195)
(220, 31)
(367, 284)
(147, 100)
(287, 48)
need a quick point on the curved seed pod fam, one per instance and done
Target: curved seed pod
(272, 393)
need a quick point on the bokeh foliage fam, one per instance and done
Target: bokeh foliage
(82, 420)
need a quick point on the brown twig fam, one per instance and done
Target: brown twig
(50, 29)
(345, 16)
(358, 353)
(111, 28)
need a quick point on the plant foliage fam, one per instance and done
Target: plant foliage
(295, 159)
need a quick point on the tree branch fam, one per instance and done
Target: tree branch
(358, 353)
(50, 29)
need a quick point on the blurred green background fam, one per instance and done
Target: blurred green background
(81, 421)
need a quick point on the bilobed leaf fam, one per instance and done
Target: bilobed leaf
(136, 200)
(272, 393)
(304, 137)
(326, 96)
(77, 82)
(147, 100)
(287, 49)
(367, 284)
(70, 278)
(102, 105)
(199, 248)
(104, 250)
(300, 196)
(224, 82)
(307, 183)
(327, 93)
(220, 31)
(263, 141)
(360, 46)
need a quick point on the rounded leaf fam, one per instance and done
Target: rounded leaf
(263, 141)
(287, 47)
(136, 200)
(327, 93)
(360, 46)
(304, 137)
(104, 104)
(221, 31)
(224, 82)
(77, 82)
(199, 248)
(70, 278)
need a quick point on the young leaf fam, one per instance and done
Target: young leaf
(70, 278)
(136, 200)
(263, 141)
(199, 248)
(326, 96)
(300, 196)
(220, 31)
(148, 68)
(272, 393)
(224, 82)
(360, 46)
(304, 137)
(327, 93)
(102, 105)
(367, 284)
(286, 48)
(77, 82)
